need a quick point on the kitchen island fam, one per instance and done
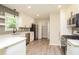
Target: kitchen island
(72, 47)
(11, 44)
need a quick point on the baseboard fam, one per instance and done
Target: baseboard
(44, 38)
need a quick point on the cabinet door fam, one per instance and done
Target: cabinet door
(72, 50)
(17, 49)
(77, 19)
(69, 49)
(69, 21)
(2, 11)
(75, 50)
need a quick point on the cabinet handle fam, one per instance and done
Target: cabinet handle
(69, 44)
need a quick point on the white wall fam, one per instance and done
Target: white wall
(65, 13)
(48, 25)
(25, 20)
(64, 28)
(55, 28)
(58, 24)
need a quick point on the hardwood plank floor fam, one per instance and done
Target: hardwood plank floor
(42, 47)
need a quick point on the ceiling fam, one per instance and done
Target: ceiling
(42, 9)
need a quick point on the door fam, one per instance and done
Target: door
(44, 31)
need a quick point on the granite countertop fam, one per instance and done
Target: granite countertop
(74, 42)
(10, 39)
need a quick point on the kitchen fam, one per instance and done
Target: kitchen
(59, 26)
(12, 35)
(69, 41)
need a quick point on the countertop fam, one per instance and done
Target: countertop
(10, 39)
(72, 36)
(74, 42)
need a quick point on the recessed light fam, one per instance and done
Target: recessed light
(78, 8)
(37, 15)
(59, 6)
(29, 7)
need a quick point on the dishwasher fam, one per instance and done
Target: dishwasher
(27, 35)
(63, 45)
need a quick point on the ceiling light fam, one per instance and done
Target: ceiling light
(78, 8)
(37, 15)
(29, 7)
(59, 6)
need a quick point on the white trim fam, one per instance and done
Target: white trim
(2, 17)
(2, 23)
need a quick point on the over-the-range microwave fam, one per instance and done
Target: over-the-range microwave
(74, 20)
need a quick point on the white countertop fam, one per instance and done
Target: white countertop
(74, 42)
(9, 39)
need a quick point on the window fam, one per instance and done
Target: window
(10, 22)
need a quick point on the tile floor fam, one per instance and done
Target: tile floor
(42, 47)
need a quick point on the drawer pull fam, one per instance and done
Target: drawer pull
(69, 44)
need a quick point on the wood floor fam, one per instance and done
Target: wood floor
(42, 47)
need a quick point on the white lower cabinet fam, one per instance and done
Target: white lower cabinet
(69, 49)
(72, 49)
(16, 49)
(31, 36)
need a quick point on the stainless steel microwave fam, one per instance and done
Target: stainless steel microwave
(74, 20)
